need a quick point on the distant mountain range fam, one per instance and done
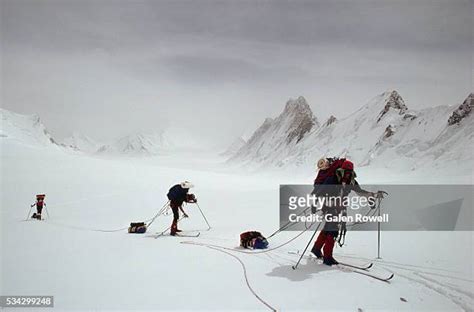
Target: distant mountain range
(30, 131)
(81, 142)
(384, 132)
(137, 144)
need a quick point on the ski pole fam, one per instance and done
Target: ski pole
(205, 219)
(31, 207)
(46, 209)
(378, 229)
(306, 248)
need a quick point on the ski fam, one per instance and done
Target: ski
(363, 270)
(354, 266)
(189, 235)
(343, 267)
(360, 267)
(180, 234)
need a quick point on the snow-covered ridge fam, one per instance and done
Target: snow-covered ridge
(29, 130)
(25, 129)
(234, 147)
(137, 144)
(81, 142)
(383, 132)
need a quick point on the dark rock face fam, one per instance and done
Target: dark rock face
(394, 101)
(462, 111)
(301, 119)
(330, 121)
(409, 116)
(389, 131)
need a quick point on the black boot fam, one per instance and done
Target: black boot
(330, 261)
(174, 228)
(317, 252)
(36, 216)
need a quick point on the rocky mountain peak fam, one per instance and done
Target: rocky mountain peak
(300, 116)
(462, 111)
(393, 101)
(299, 105)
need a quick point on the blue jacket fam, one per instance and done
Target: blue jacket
(177, 194)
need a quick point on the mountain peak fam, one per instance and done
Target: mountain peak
(394, 101)
(462, 111)
(300, 118)
(300, 104)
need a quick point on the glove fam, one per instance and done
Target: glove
(380, 194)
(190, 198)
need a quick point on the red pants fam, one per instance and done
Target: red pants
(327, 240)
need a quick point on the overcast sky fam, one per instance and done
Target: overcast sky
(218, 68)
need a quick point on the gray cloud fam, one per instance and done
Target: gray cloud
(110, 67)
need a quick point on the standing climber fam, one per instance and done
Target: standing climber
(327, 168)
(39, 206)
(177, 195)
(339, 181)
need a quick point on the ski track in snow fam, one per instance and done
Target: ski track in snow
(462, 298)
(451, 293)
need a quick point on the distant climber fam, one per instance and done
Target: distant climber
(177, 195)
(39, 206)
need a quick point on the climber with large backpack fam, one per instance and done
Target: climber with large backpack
(177, 195)
(327, 168)
(336, 177)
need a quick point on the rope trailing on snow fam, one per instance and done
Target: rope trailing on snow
(288, 224)
(75, 227)
(227, 249)
(246, 251)
(224, 249)
(159, 213)
(244, 269)
(150, 220)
